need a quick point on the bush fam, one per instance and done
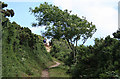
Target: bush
(60, 49)
(101, 60)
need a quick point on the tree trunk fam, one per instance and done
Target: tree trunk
(76, 52)
(74, 49)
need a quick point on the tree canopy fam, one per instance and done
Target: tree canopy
(6, 12)
(117, 34)
(62, 24)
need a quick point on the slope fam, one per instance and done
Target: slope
(23, 53)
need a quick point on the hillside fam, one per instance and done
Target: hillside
(24, 53)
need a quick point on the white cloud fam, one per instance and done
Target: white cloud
(38, 30)
(64, 4)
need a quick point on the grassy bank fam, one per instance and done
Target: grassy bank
(23, 53)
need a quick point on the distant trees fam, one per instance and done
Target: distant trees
(63, 24)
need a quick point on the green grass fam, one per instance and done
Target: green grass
(59, 71)
(54, 59)
(23, 53)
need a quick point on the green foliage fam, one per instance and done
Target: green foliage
(59, 71)
(60, 49)
(91, 61)
(63, 24)
(23, 53)
(98, 61)
(117, 34)
(110, 74)
(6, 12)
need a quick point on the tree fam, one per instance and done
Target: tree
(63, 24)
(6, 12)
(117, 34)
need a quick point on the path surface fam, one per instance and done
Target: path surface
(48, 48)
(57, 64)
(45, 71)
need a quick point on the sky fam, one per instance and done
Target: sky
(102, 13)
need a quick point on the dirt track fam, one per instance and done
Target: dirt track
(45, 72)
